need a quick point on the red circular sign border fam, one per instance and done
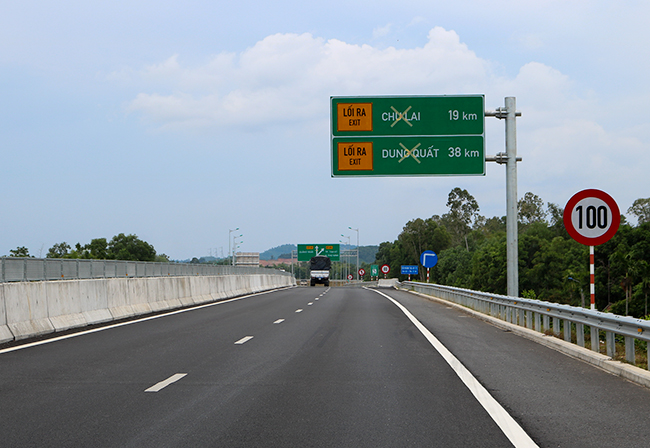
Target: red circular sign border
(592, 193)
(382, 269)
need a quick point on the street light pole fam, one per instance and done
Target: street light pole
(229, 249)
(234, 246)
(357, 230)
(347, 270)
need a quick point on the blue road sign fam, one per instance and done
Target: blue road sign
(428, 259)
(409, 269)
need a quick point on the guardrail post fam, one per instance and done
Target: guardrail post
(630, 352)
(610, 344)
(595, 339)
(567, 330)
(547, 322)
(556, 326)
(580, 334)
(538, 322)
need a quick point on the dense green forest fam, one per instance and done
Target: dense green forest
(552, 266)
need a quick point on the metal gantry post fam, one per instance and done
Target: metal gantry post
(512, 239)
(509, 112)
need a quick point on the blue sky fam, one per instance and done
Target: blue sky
(178, 121)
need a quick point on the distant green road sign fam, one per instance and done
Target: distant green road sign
(408, 136)
(306, 251)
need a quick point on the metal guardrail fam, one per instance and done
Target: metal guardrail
(36, 269)
(547, 316)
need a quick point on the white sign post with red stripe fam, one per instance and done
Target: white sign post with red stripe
(591, 217)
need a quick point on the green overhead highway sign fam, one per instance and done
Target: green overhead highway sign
(409, 156)
(306, 251)
(408, 136)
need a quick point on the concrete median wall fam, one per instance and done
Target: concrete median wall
(36, 308)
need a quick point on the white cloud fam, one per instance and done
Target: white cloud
(289, 77)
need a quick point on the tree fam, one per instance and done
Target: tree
(97, 249)
(641, 209)
(162, 258)
(59, 250)
(556, 219)
(463, 211)
(419, 235)
(531, 209)
(130, 247)
(20, 251)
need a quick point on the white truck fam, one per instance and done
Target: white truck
(319, 270)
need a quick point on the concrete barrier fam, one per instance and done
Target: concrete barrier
(387, 283)
(5, 332)
(36, 308)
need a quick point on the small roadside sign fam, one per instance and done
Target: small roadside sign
(409, 269)
(385, 268)
(362, 272)
(591, 217)
(374, 270)
(428, 259)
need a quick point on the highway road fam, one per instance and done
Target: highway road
(312, 367)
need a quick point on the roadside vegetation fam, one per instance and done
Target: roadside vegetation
(552, 266)
(120, 247)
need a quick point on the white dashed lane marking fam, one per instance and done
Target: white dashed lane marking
(161, 385)
(244, 340)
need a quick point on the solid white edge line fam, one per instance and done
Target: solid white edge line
(121, 324)
(161, 385)
(244, 340)
(504, 421)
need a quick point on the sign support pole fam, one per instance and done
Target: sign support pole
(512, 238)
(509, 112)
(592, 282)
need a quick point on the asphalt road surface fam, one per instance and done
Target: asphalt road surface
(312, 367)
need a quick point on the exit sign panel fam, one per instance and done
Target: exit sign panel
(409, 156)
(417, 115)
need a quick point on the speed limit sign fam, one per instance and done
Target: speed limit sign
(591, 217)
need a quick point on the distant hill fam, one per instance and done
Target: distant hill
(367, 254)
(275, 252)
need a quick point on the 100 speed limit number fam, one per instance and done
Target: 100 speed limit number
(591, 217)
